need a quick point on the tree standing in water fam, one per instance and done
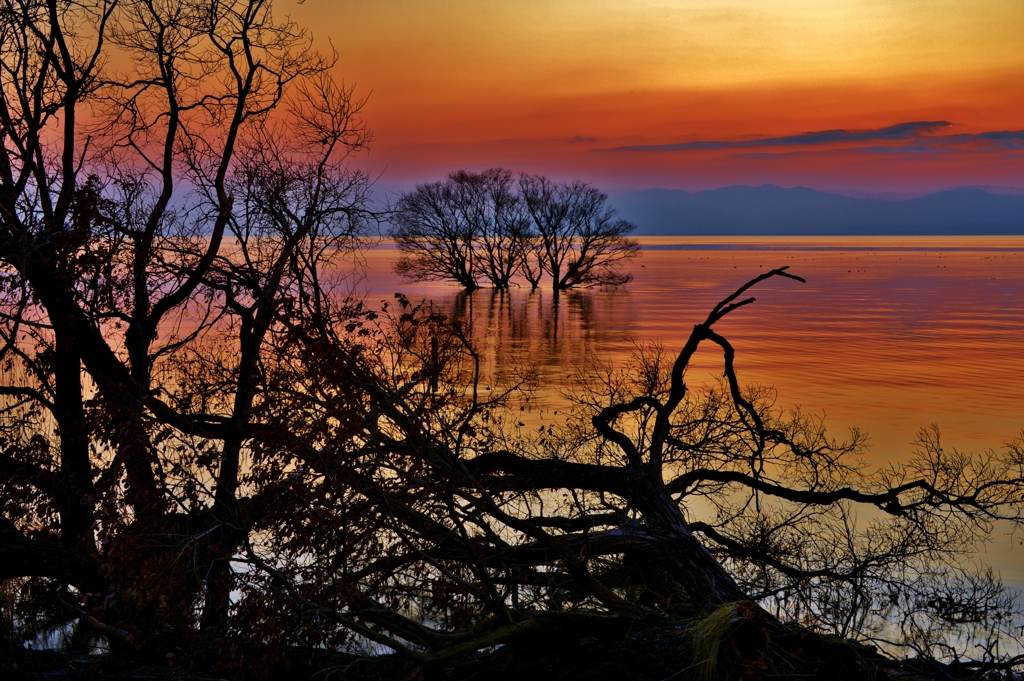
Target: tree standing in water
(482, 226)
(579, 240)
(435, 230)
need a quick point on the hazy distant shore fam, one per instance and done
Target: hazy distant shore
(769, 210)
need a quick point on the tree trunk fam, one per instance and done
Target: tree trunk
(23, 557)
(556, 285)
(684, 557)
(225, 504)
(219, 580)
(76, 509)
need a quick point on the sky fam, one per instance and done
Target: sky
(869, 97)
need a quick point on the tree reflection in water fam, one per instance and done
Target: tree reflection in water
(518, 332)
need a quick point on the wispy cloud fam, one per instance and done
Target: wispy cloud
(998, 142)
(915, 131)
(1004, 139)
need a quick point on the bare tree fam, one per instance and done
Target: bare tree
(479, 226)
(580, 241)
(468, 227)
(502, 224)
(651, 501)
(147, 218)
(434, 231)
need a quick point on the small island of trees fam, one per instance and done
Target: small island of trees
(490, 227)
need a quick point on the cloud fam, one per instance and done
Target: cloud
(1017, 135)
(1003, 139)
(893, 133)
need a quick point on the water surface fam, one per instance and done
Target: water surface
(889, 334)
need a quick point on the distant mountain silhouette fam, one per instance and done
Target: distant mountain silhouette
(769, 209)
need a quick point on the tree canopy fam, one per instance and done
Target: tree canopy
(474, 227)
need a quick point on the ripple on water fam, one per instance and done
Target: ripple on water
(889, 334)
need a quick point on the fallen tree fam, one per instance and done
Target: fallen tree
(651, 501)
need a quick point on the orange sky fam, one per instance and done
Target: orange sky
(552, 85)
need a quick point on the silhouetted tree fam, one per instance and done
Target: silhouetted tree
(434, 230)
(578, 238)
(482, 226)
(501, 223)
(452, 532)
(157, 225)
(471, 226)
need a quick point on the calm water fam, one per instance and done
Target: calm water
(889, 333)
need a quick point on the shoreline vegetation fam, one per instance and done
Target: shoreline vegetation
(214, 465)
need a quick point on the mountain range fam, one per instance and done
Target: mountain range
(772, 210)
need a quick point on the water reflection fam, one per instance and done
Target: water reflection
(889, 334)
(537, 330)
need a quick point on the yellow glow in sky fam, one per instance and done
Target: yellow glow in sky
(469, 71)
(610, 45)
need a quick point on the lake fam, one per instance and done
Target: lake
(889, 334)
